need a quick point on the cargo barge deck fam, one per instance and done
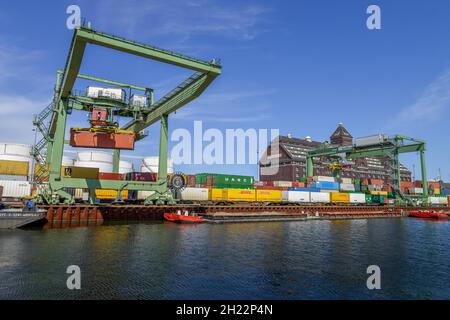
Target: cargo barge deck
(60, 216)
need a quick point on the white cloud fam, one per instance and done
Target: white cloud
(17, 113)
(430, 105)
(182, 19)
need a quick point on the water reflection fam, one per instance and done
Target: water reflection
(277, 260)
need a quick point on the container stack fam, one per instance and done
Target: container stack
(15, 171)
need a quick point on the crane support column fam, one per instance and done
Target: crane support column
(309, 167)
(116, 160)
(163, 148)
(424, 173)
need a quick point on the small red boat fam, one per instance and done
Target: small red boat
(174, 217)
(428, 215)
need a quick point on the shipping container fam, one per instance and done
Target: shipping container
(346, 181)
(79, 172)
(110, 176)
(107, 194)
(286, 184)
(111, 93)
(379, 193)
(239, 195)
(223, 179)
(296, 196)
(215, 194)
(448, 200)
(325, 185)
(320, 197)
(11, 167)
(445, 192)
(324, 179)
(263, 195)
(305, 189)
(139, 100)
(359, 198)
(194, 194)
(191, 181)
(339, 197)
(142, 176)
(371, 140)
(347, 187)
(13, 177)
(15, 189)
(418, 190)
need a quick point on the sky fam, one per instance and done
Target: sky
(298, 66)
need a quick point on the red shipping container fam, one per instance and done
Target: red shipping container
(406, 184)
(418, 184)
(376, 182)
(142, 176)
(191, 180)
(268, 183)
(103, 140)
(298, 184)
(270, 188)
(110, 176)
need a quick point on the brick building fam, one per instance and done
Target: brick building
(292, 160)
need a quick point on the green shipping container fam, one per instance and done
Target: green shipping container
(224, 179)
(369, 198)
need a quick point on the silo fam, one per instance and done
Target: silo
(150, 164)
(95, 159)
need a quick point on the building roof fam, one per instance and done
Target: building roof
(341, 132)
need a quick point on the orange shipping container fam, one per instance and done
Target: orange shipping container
(88, 139)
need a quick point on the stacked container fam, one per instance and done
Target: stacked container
(15, 170)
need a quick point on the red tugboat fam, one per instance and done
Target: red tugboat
(183, 218)
(428, 215)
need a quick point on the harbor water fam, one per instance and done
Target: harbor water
(279, 260)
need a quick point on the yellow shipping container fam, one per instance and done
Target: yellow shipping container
(263, 195)
(340, 197)
(108, 194)
(437, 191)
(379, 193)
(247, 195)
(215, 194)
(15, 168)
(79, 172)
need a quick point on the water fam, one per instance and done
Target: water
(279, 260)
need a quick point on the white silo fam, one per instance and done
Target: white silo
(95, 159)
(150, 164)
(14, 177)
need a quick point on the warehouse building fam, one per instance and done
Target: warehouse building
(292, 160)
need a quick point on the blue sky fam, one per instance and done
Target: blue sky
(300, 66)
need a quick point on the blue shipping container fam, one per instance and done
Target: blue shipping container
(325, 185)
(304, 189)
(445, 192)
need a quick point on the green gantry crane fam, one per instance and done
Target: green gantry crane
(390, 148)
(51, 122)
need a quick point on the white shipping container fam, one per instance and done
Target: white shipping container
(295, 196)
(15, 189)
(391, 201)
(112, 93)
(418, 190)
(347, 187)
(357, 198)
(282, 184)
(324, 179)
(320, 197)
(443, 200)
(139, 100)
(13, 177)
(194, 194)
(371, 140)
(347, 180)
(434, 200)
